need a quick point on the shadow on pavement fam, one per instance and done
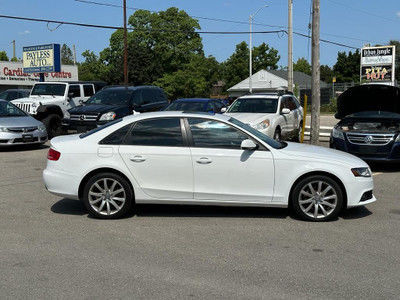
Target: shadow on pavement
(23, 148)
(69, 207)
(355, 213)
(384, 167)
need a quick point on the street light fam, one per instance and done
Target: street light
(251, 46)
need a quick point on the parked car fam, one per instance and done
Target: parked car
(114, 102)
(49, 102)
(13, 94)
(176, 157)
(369, 125)
(18, 128)
(278, 116)
(196, 104)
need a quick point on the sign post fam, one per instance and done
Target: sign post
(378, 64)
(41, 59)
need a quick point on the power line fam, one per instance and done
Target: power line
(166, 30)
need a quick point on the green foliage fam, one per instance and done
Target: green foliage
(67, 57)
(92, 68)
(331, 107)
(326, 73)
(3, 56)
(347, 67)
(236, 67)
(302, 65)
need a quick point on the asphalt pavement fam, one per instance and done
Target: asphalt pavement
(50, 248)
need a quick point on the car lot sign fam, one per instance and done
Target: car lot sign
(378, 64)
(41, 58)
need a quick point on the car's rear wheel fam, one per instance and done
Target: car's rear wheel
(108, 196)
(317, 198)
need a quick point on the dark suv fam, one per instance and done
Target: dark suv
(114, 102)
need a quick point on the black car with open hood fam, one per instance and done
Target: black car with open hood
(369, 125)
(112, 103)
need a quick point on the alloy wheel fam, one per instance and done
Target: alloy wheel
(318, 199)
(107, 196)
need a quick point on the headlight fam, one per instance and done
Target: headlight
(361, 172)
(42, 128)
(336, 133)
(108, 116)
(3, 129)
(262, 125)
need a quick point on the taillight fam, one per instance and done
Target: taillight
(53, 154)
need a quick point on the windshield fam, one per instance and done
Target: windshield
(111, 97)
(3, 95)
(258, 134)
(254, 105)
(10, 110)
(186, 106)
(50, 89)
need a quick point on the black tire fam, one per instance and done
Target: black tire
(297, 134)
(125, 207)
(53, 125)
(332, 213)
(277, 134)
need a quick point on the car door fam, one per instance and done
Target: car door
(285, 118)
(158, 158)
(294, 114)
(223, 172)
(75, 90)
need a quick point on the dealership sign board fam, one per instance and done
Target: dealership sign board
(378, 64)
(41, 59)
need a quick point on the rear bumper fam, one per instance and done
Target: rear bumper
(61, 184)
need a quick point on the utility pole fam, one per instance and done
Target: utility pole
(290, 46)
(74, 53)
(13, 42)
(315, 65)
(125, 48)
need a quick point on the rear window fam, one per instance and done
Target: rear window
(86, 134)
(186, 106)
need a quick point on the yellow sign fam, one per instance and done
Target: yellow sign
(41, 59)
(334, 79)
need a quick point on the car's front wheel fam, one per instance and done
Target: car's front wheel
(317, 198)
(108, 196)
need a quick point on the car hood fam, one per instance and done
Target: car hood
(38, 99)
(26, 121)
(321, 153)
(93, 109)
(250, 118)
(369, 97)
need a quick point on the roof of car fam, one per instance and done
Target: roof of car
(130, 87)
(178, 114)
(193, 100)
(17, 90)
(252, 96)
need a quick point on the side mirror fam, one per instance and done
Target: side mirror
(223, 109)
(285, 111)
(70, 95)
(248, 145)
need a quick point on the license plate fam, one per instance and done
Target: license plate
(27, 138)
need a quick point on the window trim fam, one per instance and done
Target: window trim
(261, 146)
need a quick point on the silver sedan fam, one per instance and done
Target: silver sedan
(18, 128)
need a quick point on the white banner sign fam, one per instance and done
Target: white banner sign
(378, 64)
(11, 73)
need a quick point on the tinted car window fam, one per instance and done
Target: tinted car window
(156, 132)
(117, 137)
(10, 110)
(291, 104)
(75, 89)
(254, 105)
(110, 96)
(88, 90)
(214, 134)
(148, 96)
(48, 89)
(12, 95)
(3, 95)
(23, 94)
(186, 106)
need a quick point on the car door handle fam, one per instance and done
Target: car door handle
(204, 161)
(137, 158)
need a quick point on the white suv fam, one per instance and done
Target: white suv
(278, 116)
(50, 101)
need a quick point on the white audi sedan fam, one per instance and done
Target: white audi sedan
(199, 158)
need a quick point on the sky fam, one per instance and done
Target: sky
(353, 23)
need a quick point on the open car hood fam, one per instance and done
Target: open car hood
(368, 97)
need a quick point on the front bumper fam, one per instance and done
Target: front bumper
(16, 138)
(373, 153)
(80, 126)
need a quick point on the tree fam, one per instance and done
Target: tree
(302, 65)
(67, 57)
(161, 43)
(92, 68)
(194, 79)
(326, 73)
(347, 67)
(3, 56)
(14, 59)
(397, 71)
(236, 67)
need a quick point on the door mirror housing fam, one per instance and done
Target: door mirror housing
(223, 109)
(285, 111)
(248, 145)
